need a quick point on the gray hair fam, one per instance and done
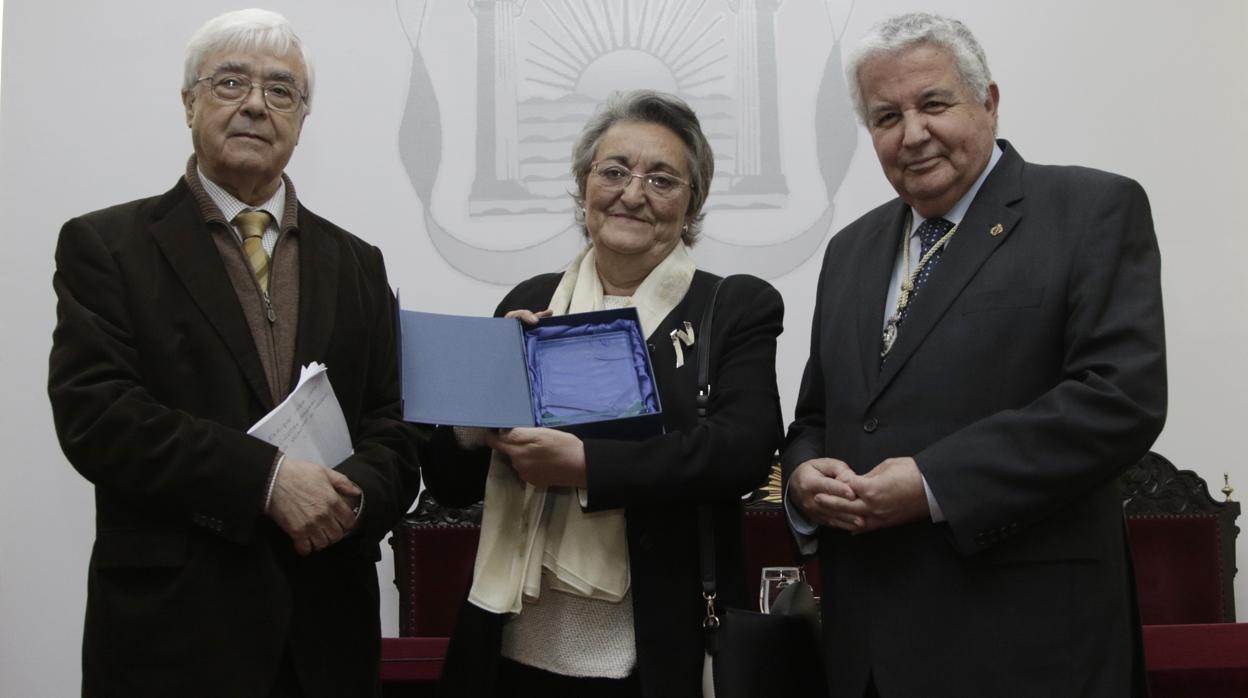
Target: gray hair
(245, 30)
(907, 31)
(649, 107)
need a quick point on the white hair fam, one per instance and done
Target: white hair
(245, 30)
(903, 32)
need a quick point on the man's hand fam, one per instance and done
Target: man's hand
(310, 503)
(819, 489)
(891, 494)
(543, 457)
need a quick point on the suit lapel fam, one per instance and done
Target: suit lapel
(319, 265)
(986, 225)
(874, 276)
(179, 231)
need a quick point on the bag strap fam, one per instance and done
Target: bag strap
(704, 353)
(706, 528)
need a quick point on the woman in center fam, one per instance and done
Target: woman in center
(587, 577)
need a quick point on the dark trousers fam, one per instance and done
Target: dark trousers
(517, 680)
(286, 684)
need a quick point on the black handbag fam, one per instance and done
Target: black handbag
(753, 654)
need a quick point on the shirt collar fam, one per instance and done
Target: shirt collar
(231, 206)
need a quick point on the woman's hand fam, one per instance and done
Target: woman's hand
(528, 317)
(543, 457)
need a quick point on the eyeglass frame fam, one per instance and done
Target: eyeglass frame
(264, 91)
(643, 176)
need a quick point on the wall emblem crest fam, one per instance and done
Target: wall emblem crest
(499, 90)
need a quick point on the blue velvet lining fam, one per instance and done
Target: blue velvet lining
(589, 372)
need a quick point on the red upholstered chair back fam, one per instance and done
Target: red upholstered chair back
(1182, 543)
(435, 546)
(769, 543)
(434, 550)
(1178, 569)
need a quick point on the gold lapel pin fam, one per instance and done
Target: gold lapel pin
(996, 230)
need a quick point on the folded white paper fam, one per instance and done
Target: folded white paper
(309, 423)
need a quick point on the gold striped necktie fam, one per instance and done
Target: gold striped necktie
(252, 225)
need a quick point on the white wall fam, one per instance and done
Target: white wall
(90, 117)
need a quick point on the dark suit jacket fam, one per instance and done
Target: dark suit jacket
(1029, 373)
(659, 482)
(154, 379)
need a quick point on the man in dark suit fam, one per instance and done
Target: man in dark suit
(221, 566)
(987, 356)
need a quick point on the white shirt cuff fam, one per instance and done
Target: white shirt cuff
(803, 529)
(933, 506)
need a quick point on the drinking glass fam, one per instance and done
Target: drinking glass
(773, 580)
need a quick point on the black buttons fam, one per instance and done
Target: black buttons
(871, 425)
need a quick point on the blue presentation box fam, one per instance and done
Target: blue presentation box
(585, 373)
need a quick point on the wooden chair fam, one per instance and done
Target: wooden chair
(434, 549)
(1183, 544)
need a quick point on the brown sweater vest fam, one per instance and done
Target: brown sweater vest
(275, 339)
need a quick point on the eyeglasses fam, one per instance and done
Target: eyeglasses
(661, 185)
(279, 96)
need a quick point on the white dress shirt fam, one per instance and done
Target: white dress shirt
(230, 208)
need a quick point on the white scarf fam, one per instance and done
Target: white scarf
(525, 528)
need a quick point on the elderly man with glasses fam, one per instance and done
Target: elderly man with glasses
(222, 566)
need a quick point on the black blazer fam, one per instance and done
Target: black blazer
(154, 379)
(1029, 373)
(659, 482)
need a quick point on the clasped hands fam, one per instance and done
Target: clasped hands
(830, 493)
(313, 504)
